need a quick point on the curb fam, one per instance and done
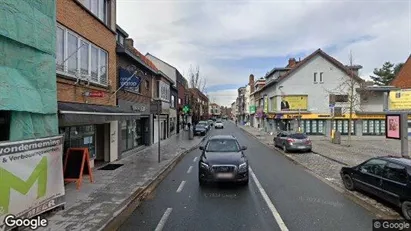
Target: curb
(129, 205)
(371, 208)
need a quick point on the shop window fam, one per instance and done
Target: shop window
(373, 127)
(4, 125)
(80, 137)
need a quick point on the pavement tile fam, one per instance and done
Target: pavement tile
(95, 203)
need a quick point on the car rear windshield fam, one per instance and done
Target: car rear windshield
(297, 136)
(200, 126)
(222, 145)
(203, 122)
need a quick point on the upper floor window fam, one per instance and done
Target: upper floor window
(120, 39)
(78, 58)
(98, 8)
(315, 77)
(173, 101)
(179, 100)
(321, 77)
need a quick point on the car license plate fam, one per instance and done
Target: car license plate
(301, 147)
(225, 175)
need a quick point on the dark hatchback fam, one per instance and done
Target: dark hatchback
(200, 129)
(388, 178)
(223, 160)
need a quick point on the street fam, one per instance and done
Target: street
(281, 196)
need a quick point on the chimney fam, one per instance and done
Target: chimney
(130, 42)
(291, 62)
(251, 83)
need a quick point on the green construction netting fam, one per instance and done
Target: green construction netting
(27, 67)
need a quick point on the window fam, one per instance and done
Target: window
(179, 100)
(97, 7)
(222, 146)
(374, 166)
(321, 77)
(172, 101)
(315, 77)
(341, 98)
(81, 59)
(59, 49)
(4, 125)
(84, 61)
(395, 173)
(72, 51)
(121, 40)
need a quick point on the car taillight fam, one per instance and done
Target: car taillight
(308, 141)
(290, 140)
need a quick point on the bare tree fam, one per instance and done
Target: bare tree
(351, 92)
(195, 79)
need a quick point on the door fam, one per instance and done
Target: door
(369, 176)
(277, 139)
(394, 182)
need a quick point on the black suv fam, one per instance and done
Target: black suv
(388, 178)
(223, 160)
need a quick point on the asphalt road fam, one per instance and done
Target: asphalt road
(280, 196)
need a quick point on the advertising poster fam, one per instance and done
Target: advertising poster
(393, 128)
(31, 177)
(399, 100)
(294, 103)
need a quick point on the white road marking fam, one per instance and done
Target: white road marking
(270, 205)
(189, 169)
(180, 188)
(163, 219)
(195, 159)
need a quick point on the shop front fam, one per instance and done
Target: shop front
(135, 132)
(161, 124)
(94, 127)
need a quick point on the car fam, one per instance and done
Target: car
(386, 177)
(219, 124)
(200, 129)
(223, 160)
(205, 124)
(291, 141)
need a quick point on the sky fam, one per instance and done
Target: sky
(230, 39)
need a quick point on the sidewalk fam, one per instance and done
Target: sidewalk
(96, 204)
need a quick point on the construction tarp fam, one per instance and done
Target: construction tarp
(27, 67)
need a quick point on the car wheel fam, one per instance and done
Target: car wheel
(348, 182)
(244, 183)
(222, 127)
(406, 209)
(309, 150)
(201, 182)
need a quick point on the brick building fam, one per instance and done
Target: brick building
(199, 105)
(136, 75)
(86, 77)
(183, 95)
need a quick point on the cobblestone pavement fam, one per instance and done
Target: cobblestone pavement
(94, 204)
(323, 165)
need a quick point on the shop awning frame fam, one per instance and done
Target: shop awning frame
(81, 114)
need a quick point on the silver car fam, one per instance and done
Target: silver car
(291, 141)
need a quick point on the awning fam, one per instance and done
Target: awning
(79, 113)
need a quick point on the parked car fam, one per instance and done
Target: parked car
(204, 123)
(388, 178)
(200, 129)
(223, 160)
(291, 141)
(219, 124)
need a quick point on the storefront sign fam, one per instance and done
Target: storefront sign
(393, 127)
(128, 80)
(399, 100)
(97, 94)
(294, 103)
(252, 109)
(139, 108)
(31, 177)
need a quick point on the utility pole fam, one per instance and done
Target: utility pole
(159, 129)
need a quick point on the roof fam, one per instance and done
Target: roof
(148, 54)
(217, 137)
(300, 64)
(121, 30)
(397, 159)
(142, 57)
(277, 69)
(195, 90)
(403, 79)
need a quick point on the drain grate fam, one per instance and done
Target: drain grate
(111, 167)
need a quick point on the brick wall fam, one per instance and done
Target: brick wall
(73, 16)
(145, 93)
(181, 95)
